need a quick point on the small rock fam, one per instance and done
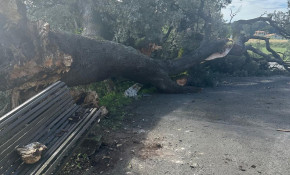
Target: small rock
(194, 165)
(141, 131)
(136, 142)
(228, 159)
(189, 131)
(158, 145)
(253, 166)
(106, 157)
(241, 168)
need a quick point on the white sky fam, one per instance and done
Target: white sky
(253, 8)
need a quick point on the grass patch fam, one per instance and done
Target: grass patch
(148, 90)
(280, 46)
(114, 101)
(111, 95)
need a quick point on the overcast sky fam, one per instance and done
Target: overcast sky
(253, 8)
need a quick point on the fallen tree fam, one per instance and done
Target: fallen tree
(32, 56)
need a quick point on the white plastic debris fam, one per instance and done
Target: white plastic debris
(275, 65)
(133, 90)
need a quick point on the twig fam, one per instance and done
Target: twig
(283, 130)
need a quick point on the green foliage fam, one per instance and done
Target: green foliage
(287, 53)
(251, 29)
(79, 31)
(134, 22)
(140, 42)
(114, 101)
(180, 53)
(111, 95)
(165, 29)
(148, 90)
(62, 15)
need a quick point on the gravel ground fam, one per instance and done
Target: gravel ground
(227, 130)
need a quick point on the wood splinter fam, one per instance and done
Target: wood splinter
(283, 130)
(31, 153)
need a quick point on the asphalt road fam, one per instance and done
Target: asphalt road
(227, 130)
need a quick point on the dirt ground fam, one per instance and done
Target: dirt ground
(230, 129)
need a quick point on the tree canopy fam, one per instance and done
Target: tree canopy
(174, 24)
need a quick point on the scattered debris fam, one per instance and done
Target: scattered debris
(189, 131)
(241, 168)
(283, 130)
(139, 131)
(130, 166)
(104, 111)
(229, 160)
(136, 141)
(150, 150)
(88, 99)
(194, 165)
(31, 153)
(106, 157)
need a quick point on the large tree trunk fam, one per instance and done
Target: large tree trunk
(32, 56)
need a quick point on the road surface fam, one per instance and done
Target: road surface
(227, 130)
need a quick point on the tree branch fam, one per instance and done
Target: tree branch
(196, 57)
(272, 23)
(267, 57)
(268, 47)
